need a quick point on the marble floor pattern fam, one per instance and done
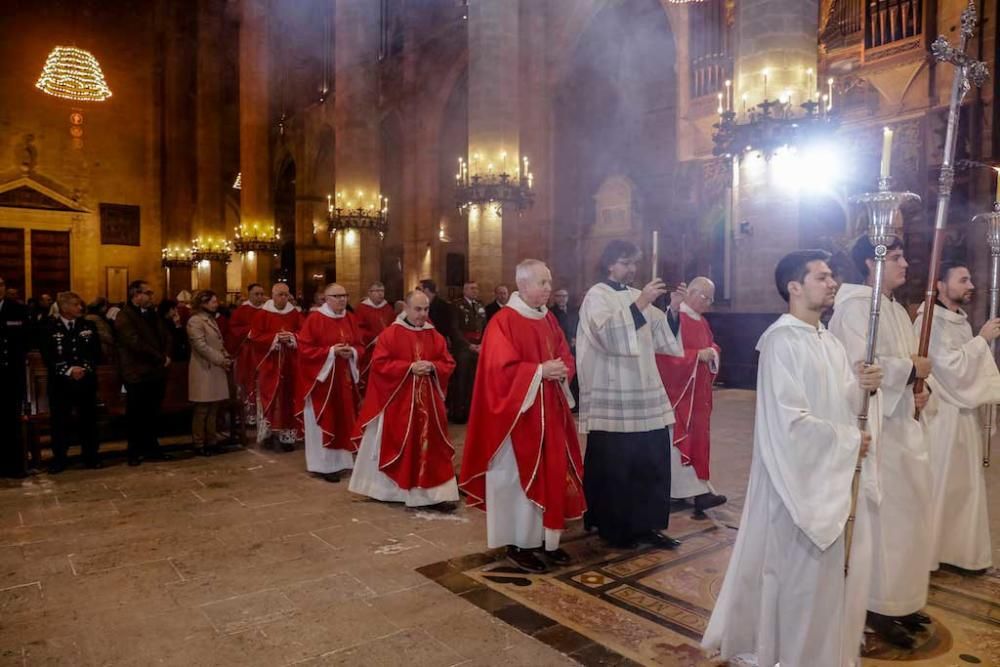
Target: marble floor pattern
(245, 559)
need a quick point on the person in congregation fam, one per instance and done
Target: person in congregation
(274, 337)
(143, 356)
(624, 409)
(785, 598)
(901, 522)
(501, 294)
(97, 312)
(327, 397)
(405, 454)
(71, 348)
(569, 320)
(240, 348)
(14, 331)
(374, 315)
(208, 370)
(440, 313)
(964, 378)
(688, 381)
(522, 462)
(470, 318)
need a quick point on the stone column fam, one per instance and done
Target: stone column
(493, 130)
(209, 222)
(255, 139)
(179, 137)
(357, 149)
(776, 38)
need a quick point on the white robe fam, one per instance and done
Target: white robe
(785, 597)
(965, 377)
(902, 524)
(368, 480)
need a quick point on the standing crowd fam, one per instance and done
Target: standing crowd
(371, 390)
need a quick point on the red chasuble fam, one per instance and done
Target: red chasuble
(335, 397)
(276, 366)
(689, 386)
(543, 437)
(240, 349)
(372, 321)
(415, 451)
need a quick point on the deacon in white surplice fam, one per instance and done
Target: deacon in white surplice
(901, 525)
(785, 597)
(965, 377)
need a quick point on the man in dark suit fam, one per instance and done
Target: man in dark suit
(470, 318)
(501, 294)
(71, 348)
(143, 354)
(14, 327)
(440, 311)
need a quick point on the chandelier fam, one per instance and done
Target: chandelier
(771, 124)
(176, 257)
(211, 250)
(73, 74)
(238, 183)
(493, 186)
(346, 213)
(257, 238)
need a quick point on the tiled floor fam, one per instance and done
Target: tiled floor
(244, 559)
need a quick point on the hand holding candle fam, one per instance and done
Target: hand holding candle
(886, 153)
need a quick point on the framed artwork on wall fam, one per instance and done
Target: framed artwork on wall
(119, 224)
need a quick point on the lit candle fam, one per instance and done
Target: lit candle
(886, 152)
(656, 254)
(720, 103)
(997, 197)
(729, 95)
(829, 84)
(765, 83)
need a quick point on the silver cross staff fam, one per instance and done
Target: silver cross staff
(968, 72)
(992, 221)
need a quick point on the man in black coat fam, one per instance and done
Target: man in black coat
(71, 348)
(501, 294)
(14, 327)
(144, 355)
(440, 313)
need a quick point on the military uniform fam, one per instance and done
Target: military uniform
(65, 344)
(470, 319)
(14, 327)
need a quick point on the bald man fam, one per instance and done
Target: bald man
(688, 381)
(273, 337)
(405, 453)
(521, 461)
(330, 349)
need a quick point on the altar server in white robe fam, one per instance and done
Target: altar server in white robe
(902, 524)
(965, 377)
(785, 597)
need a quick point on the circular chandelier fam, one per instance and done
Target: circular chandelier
(257, 238)
(346, 214)
(488, 185)
(73, 74)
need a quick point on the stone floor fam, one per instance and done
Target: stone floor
(245, 559)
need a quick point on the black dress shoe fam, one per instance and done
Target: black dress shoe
(707, 501)
(526, 560)
(659, 540)
(891, 630)
(288, 446)
(557, 557)
(918, 617)
(332, 477)
(135, 461)
(445, 507)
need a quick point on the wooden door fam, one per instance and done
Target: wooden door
(50, 262)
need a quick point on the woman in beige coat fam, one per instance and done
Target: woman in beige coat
(208, 370)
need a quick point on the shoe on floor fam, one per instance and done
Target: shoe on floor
(891, 630)
(708, 500)
(446, 507)
(332, 477)
(557, 557)
(288, 446)
(659, 540)
(525, 559)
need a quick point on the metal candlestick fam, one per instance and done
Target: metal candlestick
(883, 210)
(992, 222)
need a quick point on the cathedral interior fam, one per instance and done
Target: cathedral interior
(213, 144)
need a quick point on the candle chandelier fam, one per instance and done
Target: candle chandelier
(361, 212)
(489, 185)
(176, 257)
(257, 238)
(73, 74)
(772, 124)
(211, 249)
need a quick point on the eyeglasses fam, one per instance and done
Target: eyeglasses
(335, 296)
(148, 292)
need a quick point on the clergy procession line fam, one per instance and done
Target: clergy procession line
(368, 391)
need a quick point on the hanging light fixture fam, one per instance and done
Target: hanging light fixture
(73, 74)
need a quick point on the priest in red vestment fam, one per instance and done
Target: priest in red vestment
(238, 345)
(688, 381)
(405, 453)
(374, 314)
(328, 398)
(522, 461)
(273, 337)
